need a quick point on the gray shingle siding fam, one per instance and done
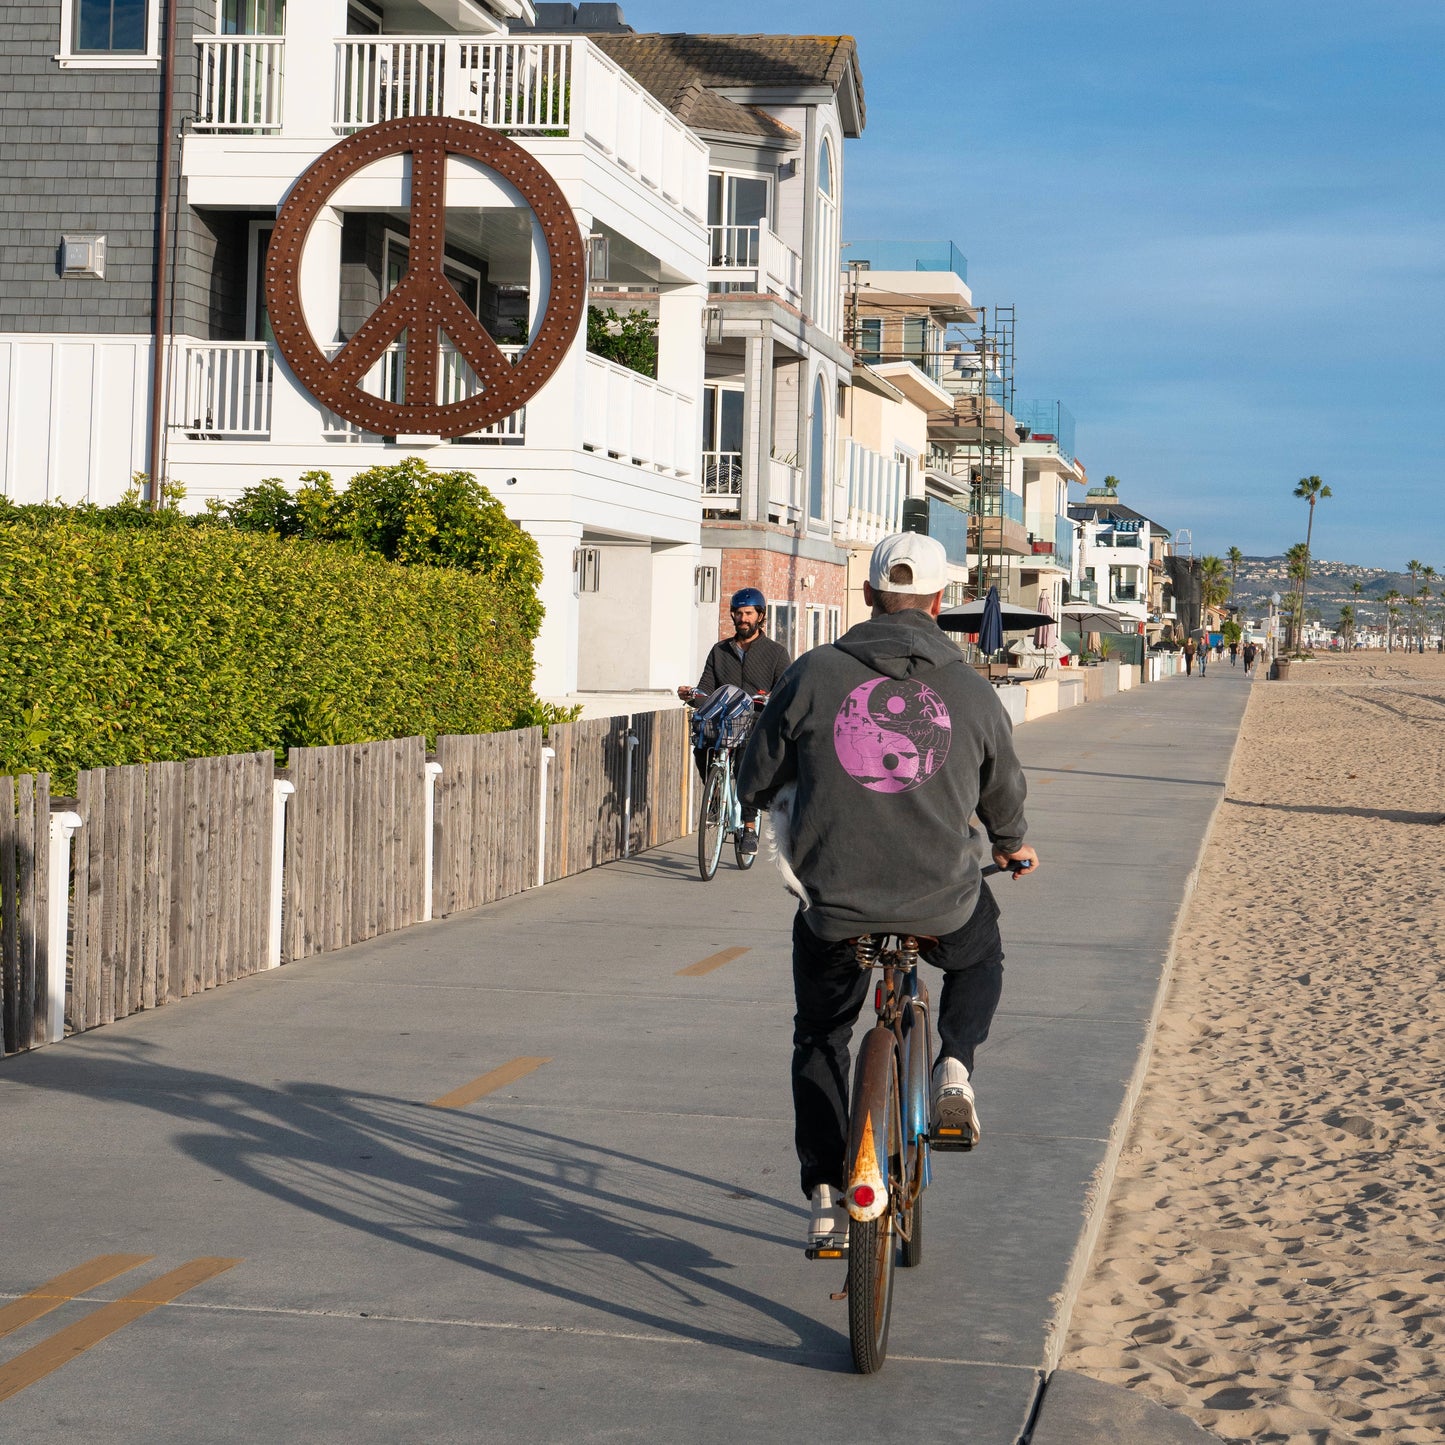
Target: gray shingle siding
(78, 153)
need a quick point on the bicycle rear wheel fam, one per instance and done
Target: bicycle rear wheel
(910, 1250)
(711, 825)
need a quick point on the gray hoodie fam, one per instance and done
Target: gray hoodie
(894, 742)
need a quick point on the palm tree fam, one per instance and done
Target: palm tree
(1294, 610)
(1214, 589)
(1413, 568)
(1235, 558)
(1391, 613)
(1312, 490)
(1347, 624)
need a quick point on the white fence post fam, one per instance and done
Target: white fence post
(632, 742)
(280, 791)
(62, 829)
(547, 755)
(433, 772)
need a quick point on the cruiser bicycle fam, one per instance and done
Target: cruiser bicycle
(722, 724)
(891, 1132)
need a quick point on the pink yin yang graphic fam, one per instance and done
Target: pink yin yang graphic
(892, 736)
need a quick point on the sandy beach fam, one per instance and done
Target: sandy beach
(1273, 1256)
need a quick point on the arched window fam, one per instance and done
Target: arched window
(826, 281)
(818, 452)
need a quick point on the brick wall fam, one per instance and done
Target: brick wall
(78, 153)
(780, 576)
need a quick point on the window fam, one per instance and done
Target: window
(258, 323)
(252, 17)
(737, 208)
(722, 443)
(121, 34)
(827, 282)
(782, 620)
(817, 621)
(818, 452)
(835, 623)
(869, 340)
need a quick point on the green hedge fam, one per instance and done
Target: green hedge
(127, 646)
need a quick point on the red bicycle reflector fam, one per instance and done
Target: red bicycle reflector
(863, 1195)
(877, 998)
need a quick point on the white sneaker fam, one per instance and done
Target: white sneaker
(828, 1227)
(954, 1107)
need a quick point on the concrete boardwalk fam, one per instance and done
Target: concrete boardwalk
(606, 1246)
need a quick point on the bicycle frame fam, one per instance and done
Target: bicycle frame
(899, 1041)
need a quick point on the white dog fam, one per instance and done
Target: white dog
(781, 832)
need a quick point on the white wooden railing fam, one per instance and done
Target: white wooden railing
(635, 419)
(876, 487)
(785, 489)
(456, 381)
(722, 481)
(222, 390)
(547, 88)
(754, 257)
(240, 82)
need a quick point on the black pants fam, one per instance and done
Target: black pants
(700, 757)
(830, 989)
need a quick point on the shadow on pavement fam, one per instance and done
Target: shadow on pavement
(566, 1218)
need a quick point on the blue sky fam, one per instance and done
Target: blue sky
(1222, 225)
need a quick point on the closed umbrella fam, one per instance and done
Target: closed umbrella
(1044, 636)
(990, 626)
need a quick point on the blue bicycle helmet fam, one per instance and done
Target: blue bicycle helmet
(748, 597)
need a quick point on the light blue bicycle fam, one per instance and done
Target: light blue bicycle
(722, 725)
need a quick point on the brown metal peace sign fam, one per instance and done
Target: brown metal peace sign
(425, 305)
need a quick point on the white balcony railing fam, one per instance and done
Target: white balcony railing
(635, 419)
(876, 488)
(538, 88)
(722, 481)
(785, 490)
(240, 82)
(549, 88)
(752, 258)
(222, 390)
(456, 381)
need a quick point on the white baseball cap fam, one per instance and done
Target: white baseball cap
(923, 555)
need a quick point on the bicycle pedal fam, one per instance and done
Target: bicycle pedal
(956, 1141)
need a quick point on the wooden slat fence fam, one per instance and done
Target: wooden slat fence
(486, 818)
(171, 883)
(660, 768)
(170, 889)
(24, 897)
(585, 795)
(355, 844)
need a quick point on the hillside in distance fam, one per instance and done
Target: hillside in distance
(1331, 586)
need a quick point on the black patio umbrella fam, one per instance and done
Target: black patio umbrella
(969, 617)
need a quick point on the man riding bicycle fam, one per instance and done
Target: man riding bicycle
(749, 659)
(894, 743)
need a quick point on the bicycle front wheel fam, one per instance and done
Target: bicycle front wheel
(744, 860)
(711, 825)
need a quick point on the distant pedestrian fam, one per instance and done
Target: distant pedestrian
(1250, 653)
(1203, 658)
(1233, 653)
(1188, 657)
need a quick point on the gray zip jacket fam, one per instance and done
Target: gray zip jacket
(894, 743)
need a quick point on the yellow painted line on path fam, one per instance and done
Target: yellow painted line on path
(712, 961)
(498, 1078)
(63, 1346)
(64, 1288)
